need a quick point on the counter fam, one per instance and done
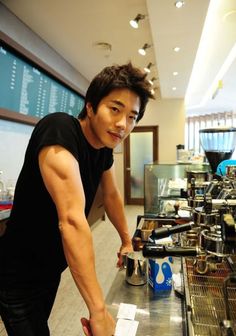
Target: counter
(159, 313)
(4, 215)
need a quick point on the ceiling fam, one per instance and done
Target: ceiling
(92, 34)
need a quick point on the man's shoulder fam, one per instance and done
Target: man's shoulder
(57, 116)
(55, 120)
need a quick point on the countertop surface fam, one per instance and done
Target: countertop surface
(4, 214)
(158, 313)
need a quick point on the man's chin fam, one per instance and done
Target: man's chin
(115, 146)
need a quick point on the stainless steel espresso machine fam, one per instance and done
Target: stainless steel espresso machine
(207, 244)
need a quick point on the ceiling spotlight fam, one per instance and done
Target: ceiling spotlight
(153, 91)
(135, 21)
(175, 73)
(152, 80)
(148, 67)
(142, 50)
(176, 49)
(179, 4)
(174, 88)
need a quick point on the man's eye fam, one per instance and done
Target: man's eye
(115, 109)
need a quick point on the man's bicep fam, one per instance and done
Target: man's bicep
(61, 176)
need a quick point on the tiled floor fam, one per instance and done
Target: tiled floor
(69, 306)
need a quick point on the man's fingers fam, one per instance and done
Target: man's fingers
(121, 260)
(86, 326)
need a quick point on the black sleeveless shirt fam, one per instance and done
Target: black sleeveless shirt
(31, 249)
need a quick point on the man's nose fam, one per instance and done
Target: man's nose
(121, 122)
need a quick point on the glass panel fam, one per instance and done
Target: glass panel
(166, 184)
(141, 153)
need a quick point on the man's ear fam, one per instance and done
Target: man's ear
(89, 109)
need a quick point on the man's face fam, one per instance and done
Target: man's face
(115, 118)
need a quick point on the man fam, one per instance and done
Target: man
(65, 160)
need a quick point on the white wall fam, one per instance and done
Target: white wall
(169, 115)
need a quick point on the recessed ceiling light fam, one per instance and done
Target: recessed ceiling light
(175, 73)
(174, 88)
(176, 49)
(179, 4)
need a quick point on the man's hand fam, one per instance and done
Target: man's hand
(124, 249)
(97, 326)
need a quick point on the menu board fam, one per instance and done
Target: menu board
(29, 90)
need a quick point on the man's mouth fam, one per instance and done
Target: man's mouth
(116, 135)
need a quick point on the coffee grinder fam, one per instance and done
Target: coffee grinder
(218, 144)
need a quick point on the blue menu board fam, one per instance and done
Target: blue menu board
(27, 89)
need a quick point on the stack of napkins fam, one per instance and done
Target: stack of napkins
(178, 283)
(126, 325)
(168, 241)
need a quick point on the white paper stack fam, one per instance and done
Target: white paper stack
(126, 325)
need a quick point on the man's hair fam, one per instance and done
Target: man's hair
(118, 77)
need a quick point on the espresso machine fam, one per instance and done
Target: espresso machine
(208, 253)
(207, 244)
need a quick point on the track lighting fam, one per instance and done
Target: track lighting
(148, 67)
(135, 21)
(142, 50)
(152, 80)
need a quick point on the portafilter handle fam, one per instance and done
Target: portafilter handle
(151, 250)
(167, 231)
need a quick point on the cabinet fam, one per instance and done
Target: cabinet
(166, 184)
